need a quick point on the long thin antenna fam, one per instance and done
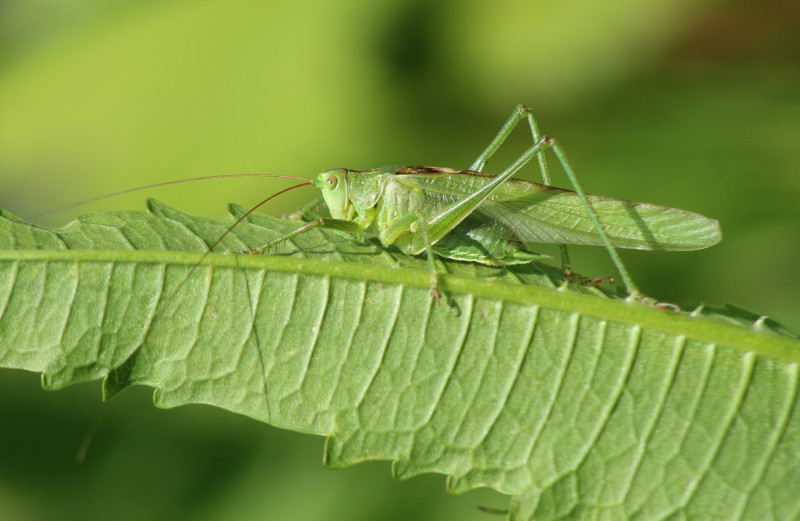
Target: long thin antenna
(157, 185)
(89, 436)
(240, 219)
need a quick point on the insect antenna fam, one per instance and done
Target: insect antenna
(156, 185)
(230, 229)
(88, 437)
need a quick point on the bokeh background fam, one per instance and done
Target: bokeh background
(687, 103)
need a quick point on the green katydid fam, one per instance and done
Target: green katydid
(472, 216)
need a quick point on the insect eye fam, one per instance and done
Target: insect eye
(332, 181)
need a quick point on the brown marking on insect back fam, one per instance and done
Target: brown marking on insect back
(382, 169)
(435, 170)
(422, 169)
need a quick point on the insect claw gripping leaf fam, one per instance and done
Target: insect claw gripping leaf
(668, 306)
(436, 295)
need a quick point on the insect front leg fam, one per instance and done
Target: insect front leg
(341, 225)
(520, 112)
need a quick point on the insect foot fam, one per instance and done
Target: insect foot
(650, 301)
(667, 305)
(598, 280)
(589, 281)
(435, 293)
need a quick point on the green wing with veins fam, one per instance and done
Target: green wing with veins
(536, 213)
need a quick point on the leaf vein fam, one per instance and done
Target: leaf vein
(612, 400)
(560, 378)
(253, 333)
(778, 433)
(661, 408)
(708, 466)
(384, 349)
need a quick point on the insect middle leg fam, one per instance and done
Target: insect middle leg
(405, 224)
(520, 112)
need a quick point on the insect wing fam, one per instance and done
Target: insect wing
(629, 224)
(535, 213)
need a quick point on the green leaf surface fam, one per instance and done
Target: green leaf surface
(577, 403)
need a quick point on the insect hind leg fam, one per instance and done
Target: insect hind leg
(405, 224)
(520, 112)
(548, 142)
(633, 290)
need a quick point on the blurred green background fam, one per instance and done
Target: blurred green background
(687, 103)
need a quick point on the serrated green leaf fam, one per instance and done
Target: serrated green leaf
(578, 404)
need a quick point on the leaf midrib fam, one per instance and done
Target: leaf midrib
(695, 327)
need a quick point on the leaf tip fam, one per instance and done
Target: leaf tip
(333, 455)
(117, 380)
(237, 210)
(47, 382)
(111, 386)
(696, 312)
(459, 484)
(401, 470)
